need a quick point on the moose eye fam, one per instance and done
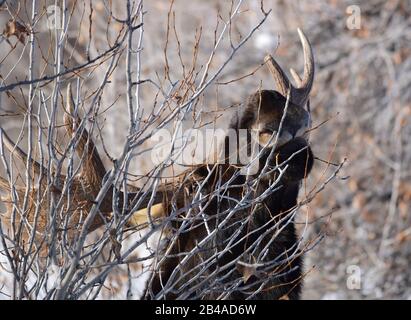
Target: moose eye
(265, 136)
(266, 132)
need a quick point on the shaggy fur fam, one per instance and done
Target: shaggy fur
(222, 270)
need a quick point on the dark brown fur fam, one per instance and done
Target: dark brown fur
(285, 277)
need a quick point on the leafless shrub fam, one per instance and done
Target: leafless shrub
(55, 201)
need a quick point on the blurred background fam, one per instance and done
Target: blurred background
(360, 103)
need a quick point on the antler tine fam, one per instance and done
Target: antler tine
(296, 77)
(19, 153)
(304, 86)
(93, 168)
(280, 78)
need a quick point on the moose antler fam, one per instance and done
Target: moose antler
(299, 94)
(93, 170)
(78, 200)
